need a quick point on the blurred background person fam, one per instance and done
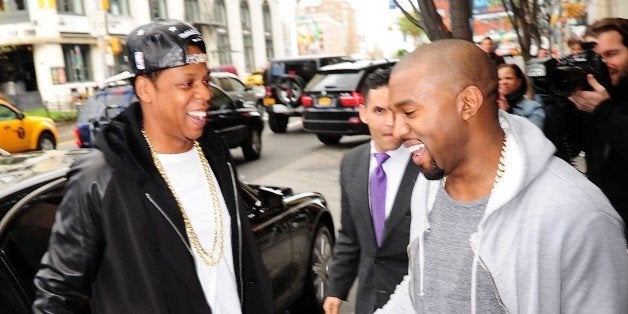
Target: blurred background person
(575, 45)
(489, 47)
(512, 88)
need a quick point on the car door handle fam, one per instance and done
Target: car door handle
(6, 127)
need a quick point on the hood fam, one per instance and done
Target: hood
(39, 119)
(528, 153)
(122, 143)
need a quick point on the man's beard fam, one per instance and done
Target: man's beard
(433, 172)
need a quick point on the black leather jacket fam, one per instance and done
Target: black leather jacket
(606, 147)
(120, 240)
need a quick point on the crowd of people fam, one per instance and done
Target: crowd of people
(453, 205)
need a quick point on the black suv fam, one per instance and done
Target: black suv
(238, 121)
(284, 80)
(331, 99)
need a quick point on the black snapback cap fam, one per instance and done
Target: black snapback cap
(163, 44)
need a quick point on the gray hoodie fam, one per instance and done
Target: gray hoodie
(550, 239)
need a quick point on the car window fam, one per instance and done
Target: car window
(25, 240)
(219, 100)
(117, 99)
(6, 113)
(236, 85)
(334, 81)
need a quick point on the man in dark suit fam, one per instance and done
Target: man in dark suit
(375, 215)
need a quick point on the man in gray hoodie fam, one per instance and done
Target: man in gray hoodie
(498, 223)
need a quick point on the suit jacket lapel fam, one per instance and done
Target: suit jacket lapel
(401, 206)
(362, 210)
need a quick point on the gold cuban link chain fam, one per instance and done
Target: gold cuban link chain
(209, 258)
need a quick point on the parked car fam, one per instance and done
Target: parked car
(294, 232)
(235, 118)
(285, 79)
(239, 122)
(20, 132)
(236, 89)
(331, 99)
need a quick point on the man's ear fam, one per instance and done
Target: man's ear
(470, 102)
(362, 113)
(144, 88)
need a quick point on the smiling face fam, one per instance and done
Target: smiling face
(427, 119)
(174, 105)
(508, 81)
(380, 120)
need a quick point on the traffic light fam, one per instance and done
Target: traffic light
(116, 45)
(104, 4)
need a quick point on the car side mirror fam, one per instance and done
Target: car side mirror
(271, 198)
(20, 115)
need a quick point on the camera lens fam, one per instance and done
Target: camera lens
(566, 80)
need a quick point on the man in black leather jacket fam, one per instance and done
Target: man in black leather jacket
(151, 222)
(606, 114)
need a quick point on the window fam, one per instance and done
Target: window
(219, 100)
(119, 7)
(158, 8)
(192, 11)
(12, 5)
(24, 242)
(77, 63)
(268, 30)
(223, 47)
(220, 12)
(70, 6)
(6, 113)
(245, 17)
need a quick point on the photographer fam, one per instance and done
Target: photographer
(606, 137)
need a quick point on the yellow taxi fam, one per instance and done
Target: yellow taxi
(19, 132)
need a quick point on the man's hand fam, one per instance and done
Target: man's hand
(588, 101)
(332, 305)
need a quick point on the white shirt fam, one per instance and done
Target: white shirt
(394, 166)
(186, 175)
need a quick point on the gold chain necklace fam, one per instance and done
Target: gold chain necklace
(501, 166)
(209, 258)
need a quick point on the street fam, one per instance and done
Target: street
(294, 159)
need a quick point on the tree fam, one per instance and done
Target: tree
(533, 19)
(423, 14)
(408, 28)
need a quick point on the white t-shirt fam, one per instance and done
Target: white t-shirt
(185, 173)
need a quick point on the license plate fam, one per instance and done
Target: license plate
(269, 101)
(324, 101)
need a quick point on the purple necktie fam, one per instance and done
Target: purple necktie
(377, 189)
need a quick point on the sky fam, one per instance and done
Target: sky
(373, 18)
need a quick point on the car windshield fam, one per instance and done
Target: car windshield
(334, 81)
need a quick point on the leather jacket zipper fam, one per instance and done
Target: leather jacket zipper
(150, 199)
(239, 223)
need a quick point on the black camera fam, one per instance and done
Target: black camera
(560, 78)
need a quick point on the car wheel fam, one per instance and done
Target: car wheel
(252, 147)
(329, 139)
(46, 142)
(278, 122)
(289, 90)
(320, 262)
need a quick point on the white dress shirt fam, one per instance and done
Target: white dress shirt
(394, 166)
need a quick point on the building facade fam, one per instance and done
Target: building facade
(51, 50)
(334, 22)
